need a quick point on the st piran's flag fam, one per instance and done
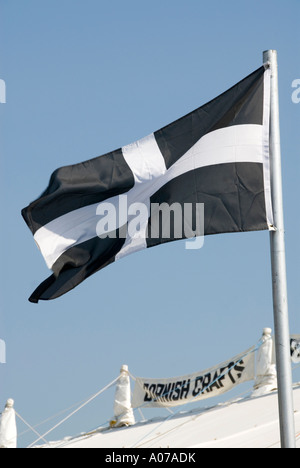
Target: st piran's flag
(217, 155)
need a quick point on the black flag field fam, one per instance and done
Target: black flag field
(216, 157)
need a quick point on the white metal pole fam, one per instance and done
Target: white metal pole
(279, 283)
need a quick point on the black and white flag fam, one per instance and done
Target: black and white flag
(217, 157)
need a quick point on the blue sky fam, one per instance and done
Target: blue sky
(87, 77)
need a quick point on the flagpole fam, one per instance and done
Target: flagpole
(279, 282)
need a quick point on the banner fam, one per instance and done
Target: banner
(295, 348)
(194, 387)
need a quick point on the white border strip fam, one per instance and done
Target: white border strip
(266, 148)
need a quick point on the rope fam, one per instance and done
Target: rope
(30, 427)
(52, 417)
(74, 412)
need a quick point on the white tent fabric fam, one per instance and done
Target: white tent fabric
(266, 374)
(123, 413)
(244, 423)
(8, 427)
(252, 422)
